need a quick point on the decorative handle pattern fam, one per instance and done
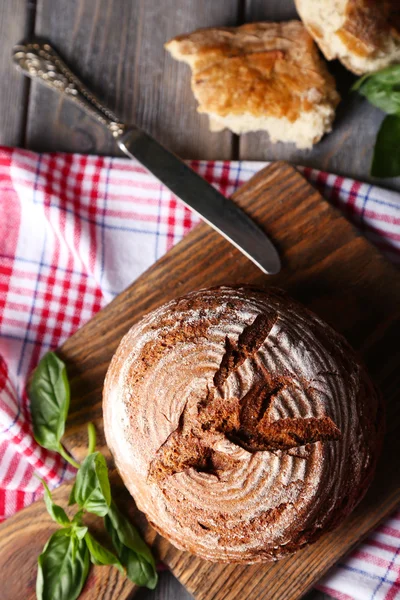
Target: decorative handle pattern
(39, 61)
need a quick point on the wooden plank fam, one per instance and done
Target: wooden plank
(273, 10)
(348, 149)
(333, 270)
(16, 21)
(117, 47)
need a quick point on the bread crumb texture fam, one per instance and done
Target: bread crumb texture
(363, 34)
(243, 425)
(260, 76)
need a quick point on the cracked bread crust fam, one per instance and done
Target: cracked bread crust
(363, 34)
(260, 76)
(242, 424)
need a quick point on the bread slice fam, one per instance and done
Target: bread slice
(261, 76)
(363, 34)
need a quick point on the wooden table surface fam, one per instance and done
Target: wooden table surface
(117, 47)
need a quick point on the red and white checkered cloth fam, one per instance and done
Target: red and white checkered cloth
(74, 232)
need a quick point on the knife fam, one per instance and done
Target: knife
(39, 60)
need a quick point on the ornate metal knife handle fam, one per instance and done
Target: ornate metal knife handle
(39, 61)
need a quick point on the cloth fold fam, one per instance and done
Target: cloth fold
(74, 232)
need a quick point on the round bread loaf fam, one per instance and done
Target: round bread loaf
(241, 423)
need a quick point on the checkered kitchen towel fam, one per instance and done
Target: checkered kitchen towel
(74, 232)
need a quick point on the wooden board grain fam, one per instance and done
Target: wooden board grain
(333, 270)
(117, 47)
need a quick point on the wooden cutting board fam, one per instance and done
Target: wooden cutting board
(327, 265)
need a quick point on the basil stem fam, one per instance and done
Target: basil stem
(91, 438)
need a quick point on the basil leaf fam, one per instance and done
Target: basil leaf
(99, 555)
(92, 486)
(132, 550)
(138, 569)
(118, 545)
(77, 520)
(381, 96)
(49, 395)
(71, 499)
(56, 512)
(382, 89)
(128, 534)
(388, 76)
(62, 567)
(386, 160)
(79, 532)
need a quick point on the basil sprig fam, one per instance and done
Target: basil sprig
(64, 563)
(382, 89)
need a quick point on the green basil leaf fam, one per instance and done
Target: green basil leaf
(79, 531)
(138, 569)
(77, 520)
(49, 395)
(118, 545)
(56, 512)
(381, 96)
(62, 567)
(128, 534)
(92, 487)
(71, 499)
(99, 555)
(382, 89)
(132, 550)
(386, 160)
(388, 76)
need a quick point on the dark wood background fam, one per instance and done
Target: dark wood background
(117, 47)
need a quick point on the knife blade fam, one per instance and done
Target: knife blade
(201, 197)
(39, 60)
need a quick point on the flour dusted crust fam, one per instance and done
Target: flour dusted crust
(241, 423)
(363, 34)
(260, 76)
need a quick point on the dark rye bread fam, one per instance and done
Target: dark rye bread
(242, 424)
